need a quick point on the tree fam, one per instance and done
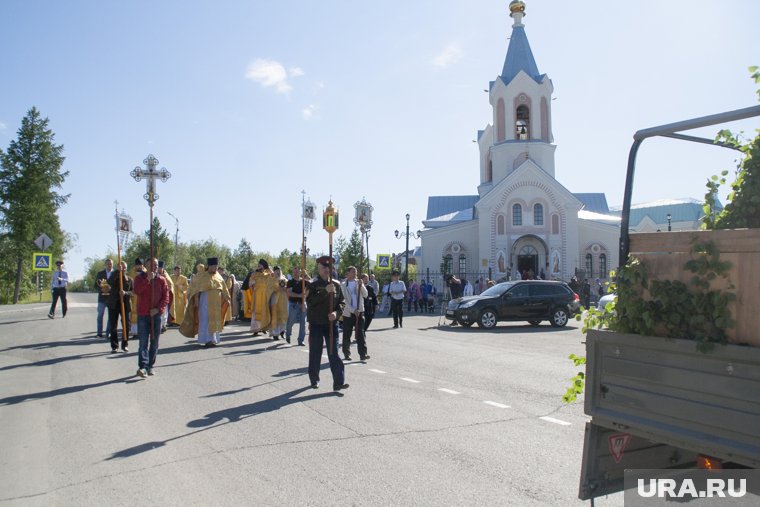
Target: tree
(352, 253)
(30, 174)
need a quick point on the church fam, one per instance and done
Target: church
(521, 219)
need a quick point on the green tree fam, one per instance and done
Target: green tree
(352, 254)
(30, 175)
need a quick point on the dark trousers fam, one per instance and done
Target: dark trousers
(58, 292)
(349, 325)
(114, 317)
(146, 354)
(397, 310)
(367, 320)
(318, 337)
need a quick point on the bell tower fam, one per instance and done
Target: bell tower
(520, 99)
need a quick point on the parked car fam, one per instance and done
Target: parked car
(522, 300)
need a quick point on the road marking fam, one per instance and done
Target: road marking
(410, 380)
(555, 421)
(377, 371)
(497, 405)
(448, 391)
(302, 350)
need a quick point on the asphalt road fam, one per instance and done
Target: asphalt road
(437, 416)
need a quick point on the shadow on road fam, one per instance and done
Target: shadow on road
(54, 360)
(12, 400)
(227, 416)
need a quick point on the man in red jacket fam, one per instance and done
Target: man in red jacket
(152, 298)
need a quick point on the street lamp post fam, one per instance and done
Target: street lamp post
(406, 253)
(669, 217)
(176, 236)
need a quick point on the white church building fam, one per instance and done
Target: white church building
(522, 218)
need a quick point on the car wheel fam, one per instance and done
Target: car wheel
(464, 323)
(559, 317)
(534, 322)
(487, 319)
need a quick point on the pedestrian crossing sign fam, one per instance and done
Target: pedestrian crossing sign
(42, 262)
(383, 261)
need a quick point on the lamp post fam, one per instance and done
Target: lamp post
(363, 219)
(308, 214)
(669, 217)
(176, 236)
(150, 186)
(407, 234)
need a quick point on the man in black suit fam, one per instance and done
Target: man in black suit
(104, 290)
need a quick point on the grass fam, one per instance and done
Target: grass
(47, 297)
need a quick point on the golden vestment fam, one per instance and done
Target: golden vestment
(180, 297)
(218, 301)
(262, 284)
(279, 307)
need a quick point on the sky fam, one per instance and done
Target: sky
(249, 103)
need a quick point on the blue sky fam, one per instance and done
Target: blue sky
(249, 102)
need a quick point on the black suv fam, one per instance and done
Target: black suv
(528, 300)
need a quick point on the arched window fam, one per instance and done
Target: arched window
(448, 263)
(544, 120)
(489, 171)
(603, 266)
(538, 214)
(500, 121)
(555, 224)
(500, 225)
(516, 214)
(522, 123)
(462, 264)
(589, 264)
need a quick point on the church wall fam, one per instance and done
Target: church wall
(597, 238)
(459, 239)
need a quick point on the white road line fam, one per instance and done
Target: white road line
(376, 371)
(448, 391)
(555, 421)
(497, 405)
(410, 380)
(305, 351)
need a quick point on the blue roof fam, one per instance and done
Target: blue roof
(519, 57)
(681, 210)
(439, 205)
(596, 202)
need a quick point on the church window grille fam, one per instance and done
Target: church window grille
(500, 225)
(522, 124)
(603, 266)
(538, 214)
(462, 264)
(448, 263)
(516, 214)
(589, 264)
(555, 224)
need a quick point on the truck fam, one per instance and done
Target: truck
(660, 403)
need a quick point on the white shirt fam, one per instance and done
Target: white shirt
(398, 289)
(57, 284)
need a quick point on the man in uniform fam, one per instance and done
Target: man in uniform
(322, 319)
(180, 295)
(60, 281)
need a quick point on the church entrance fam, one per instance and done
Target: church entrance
(527, 261)
(529, 253)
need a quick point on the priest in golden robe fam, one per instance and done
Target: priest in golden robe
(169, 312)
(262, 284)
(137, 268)
(181, 285)
(208, 299)
(279, 305)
